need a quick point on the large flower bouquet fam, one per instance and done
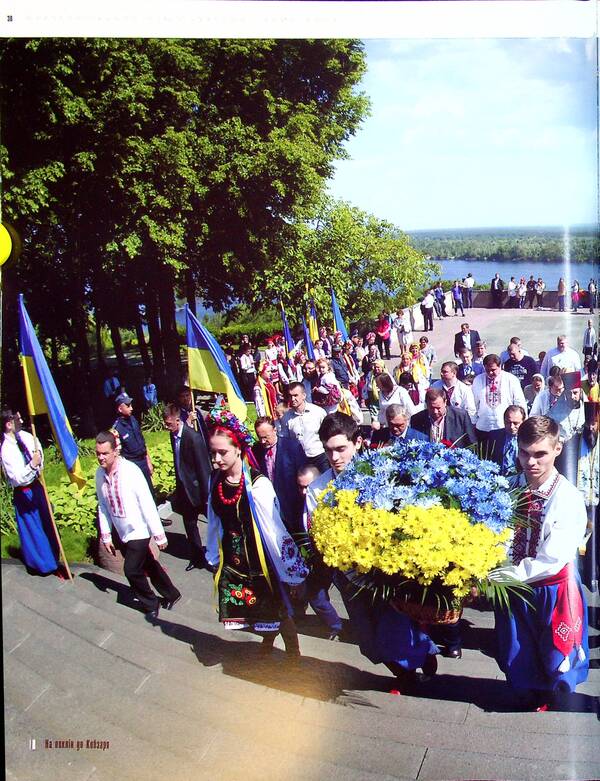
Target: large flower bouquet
(420, 522)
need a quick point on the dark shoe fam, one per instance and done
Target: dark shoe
(169, 604)
(334, 637)
(166, 522)
(452, 653)
(152, 615)
(196, 565)
(430, 665)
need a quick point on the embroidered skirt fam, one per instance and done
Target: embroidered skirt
(247, 602)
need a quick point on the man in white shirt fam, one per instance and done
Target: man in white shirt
(302, 422)
(563, 356)
(469, 283)
(427, 309)
(542, 642)
(125, 502)
(456, 392)
(494, 391)
(590, 340)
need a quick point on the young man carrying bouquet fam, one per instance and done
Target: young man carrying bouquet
(385, 636)
(543, 646)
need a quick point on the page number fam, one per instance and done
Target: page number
(9, 18)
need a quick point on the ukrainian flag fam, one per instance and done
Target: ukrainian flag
(310, 350)
(287, 332)
(208, 367)
(43, 397)
(338, 320)
(313, 328)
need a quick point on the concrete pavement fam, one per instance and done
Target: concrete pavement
(185, 699)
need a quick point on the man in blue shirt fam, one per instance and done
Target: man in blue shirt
(133, 444)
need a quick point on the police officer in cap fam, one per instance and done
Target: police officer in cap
(133, 444)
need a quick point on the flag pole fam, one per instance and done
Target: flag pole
(54, 527)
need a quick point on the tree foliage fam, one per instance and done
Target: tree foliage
(136, 170)
(369, 262)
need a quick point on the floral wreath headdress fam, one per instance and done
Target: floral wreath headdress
(221, 419)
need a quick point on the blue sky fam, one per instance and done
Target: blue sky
(476, 133)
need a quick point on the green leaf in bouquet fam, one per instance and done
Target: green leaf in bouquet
(498, 589)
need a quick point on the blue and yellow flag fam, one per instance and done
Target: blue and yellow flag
(313, 327)
(310, 350)
(208, 367)
(287, 332)
(43, 397)
(338, 321)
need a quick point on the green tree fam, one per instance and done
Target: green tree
(141, 169)
(369, 262)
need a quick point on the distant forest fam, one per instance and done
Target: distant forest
(509, 244)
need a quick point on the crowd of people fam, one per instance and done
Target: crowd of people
(535, 416)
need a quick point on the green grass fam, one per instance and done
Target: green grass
(77, 547)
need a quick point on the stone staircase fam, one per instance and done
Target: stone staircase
(93, 691)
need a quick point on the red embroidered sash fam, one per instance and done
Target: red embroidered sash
(567, 616)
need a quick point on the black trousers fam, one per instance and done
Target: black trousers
(138, 566)
(190, 514)
(428, 319)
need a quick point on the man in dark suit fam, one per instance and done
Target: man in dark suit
(441, 423)
(279, 459)
(192, 475)
(465, 338)
(496, 288)
(398, 428)
(501, 447)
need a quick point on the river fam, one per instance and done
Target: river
(484, 270)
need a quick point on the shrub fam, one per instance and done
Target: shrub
(8, 524)
(163, 477)
(152, 419)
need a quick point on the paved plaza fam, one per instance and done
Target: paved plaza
(93, 692)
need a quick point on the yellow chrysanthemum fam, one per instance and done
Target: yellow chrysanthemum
(423, 544)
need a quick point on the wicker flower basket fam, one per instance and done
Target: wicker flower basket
(427, 613)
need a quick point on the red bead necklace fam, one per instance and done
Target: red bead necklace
(236, 497)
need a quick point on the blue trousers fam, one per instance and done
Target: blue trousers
(384, 635)
(38, 542)
(526, 654)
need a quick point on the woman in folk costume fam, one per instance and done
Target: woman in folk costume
(328, 392)
(247, 544)
(265, 395)
(542, 645)
(353, 373)
(370, 392)
(405, 365)
(419, 368)
(403, 328)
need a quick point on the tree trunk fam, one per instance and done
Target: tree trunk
(81, 361)
(115, 335)
(101, 360)
(141, 339)
(170, 340)
(190, 291)
(155, 340)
